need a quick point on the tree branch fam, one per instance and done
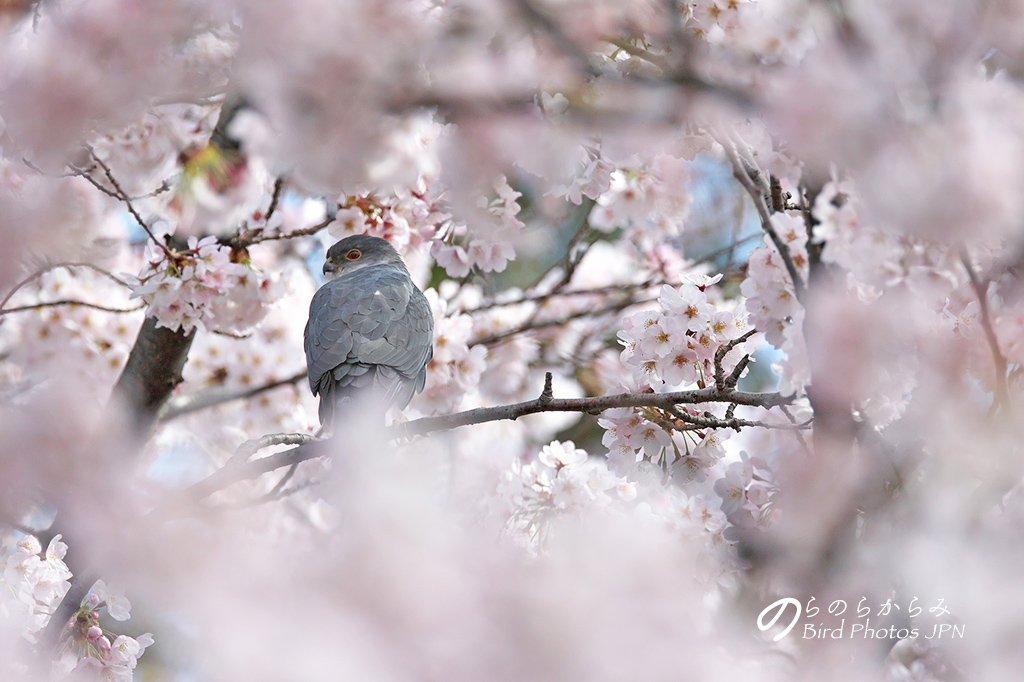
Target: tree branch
(54, 304)
(569, 262)
(239, 469)
(153, 370)
(587, 405)
(43, 270)
(720, 380)
(745, 173)
(557, 322)
(541, 299)
(275, 197)
(179, 408)
(695, 422)
(1002, 393)
(120, 194)
(240, 242)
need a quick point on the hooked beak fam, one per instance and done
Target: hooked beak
(329, 268)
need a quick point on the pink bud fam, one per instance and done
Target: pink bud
(95, 632)
(104, 645)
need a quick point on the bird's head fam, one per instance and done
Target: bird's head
(359, 251)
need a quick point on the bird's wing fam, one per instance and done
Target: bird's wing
(415, 336)
(375, 316)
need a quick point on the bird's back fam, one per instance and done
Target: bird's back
(370, 328)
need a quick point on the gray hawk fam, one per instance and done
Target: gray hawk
(370, 328)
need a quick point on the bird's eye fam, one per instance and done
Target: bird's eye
(353, 254)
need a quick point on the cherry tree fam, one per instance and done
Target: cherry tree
(728, 346)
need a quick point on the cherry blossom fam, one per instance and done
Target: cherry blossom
(671, 349)
(456, 367)
(34, 582)
(609, 206)
(192, 289)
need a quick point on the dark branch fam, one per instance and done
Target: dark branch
(54, 304)
(121, 195)
(207, 399)
(153, 370)
(723, 350)
(257, 236)
(588, 405)
(43, 270)
(1002, 393)
(251, 447)
(799, 436)
(693, 422)
(540, 299)
(275, 198)
(547, 395)
(747, 176)
(558, 322)
(808, 195)
(239, 469)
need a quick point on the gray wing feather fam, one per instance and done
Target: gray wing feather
(374, 319)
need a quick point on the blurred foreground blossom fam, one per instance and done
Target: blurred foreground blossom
(728, 311)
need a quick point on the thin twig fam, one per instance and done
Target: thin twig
(651, 281)
(253, 235)
(239, 469)
(123, 196)
(728, 249)
(723, 350)
(540, 299)
(571, 261)
(742, 171)
(165, 186)
(656, 59)
(85, 174)
(239, 241)
(273, 496)
(557, 36)
(53, 304)
(581, 215)
(212, 398)
(251, 447)
(737, 372)
(232, 335)
(305, 232)
(799, 436)
(1002, 393)
(283, 480)
(544, 324)
(275, 493)
(709, 421)
(275, 197)
(42, 271)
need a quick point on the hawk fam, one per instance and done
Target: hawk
(370, 328)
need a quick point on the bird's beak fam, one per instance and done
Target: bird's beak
(329, 267)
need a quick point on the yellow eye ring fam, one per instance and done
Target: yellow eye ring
(353, 254)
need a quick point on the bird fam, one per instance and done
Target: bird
(370, 329)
